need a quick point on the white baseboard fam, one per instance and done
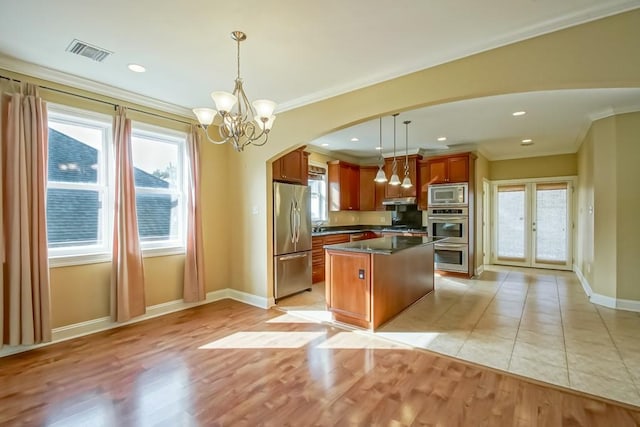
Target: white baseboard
(76, 330)
(604, 300)
(250, 299)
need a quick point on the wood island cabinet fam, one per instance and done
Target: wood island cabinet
(344, 186)
(349, 273)
(393, 191)
(371, 193)
(293, 167)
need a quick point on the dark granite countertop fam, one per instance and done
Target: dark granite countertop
(384, 245)
(327, 231)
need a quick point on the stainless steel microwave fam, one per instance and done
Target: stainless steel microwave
(448, 195)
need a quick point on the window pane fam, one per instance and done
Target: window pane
(73, 217)
(157, 217)
(74, 152)
(551, 227)
(156, 163)
(511, 237)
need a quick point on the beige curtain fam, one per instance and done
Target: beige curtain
(127, 274)
(25, 306)
(194, 288)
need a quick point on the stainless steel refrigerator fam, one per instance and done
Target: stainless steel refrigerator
(291, 239)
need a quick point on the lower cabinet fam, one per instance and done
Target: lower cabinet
(317, 250)
(350, 293)
(317, 253)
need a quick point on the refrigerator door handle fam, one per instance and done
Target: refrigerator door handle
(289, 257)
(298, 225)
(292, 222)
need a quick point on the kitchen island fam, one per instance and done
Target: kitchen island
(368, 282)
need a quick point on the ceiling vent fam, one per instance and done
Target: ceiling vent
(88, 51)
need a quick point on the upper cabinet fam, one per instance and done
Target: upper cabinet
(371, 193)
(397, 190)
(292, 167)
(447, 169)
(344, 186)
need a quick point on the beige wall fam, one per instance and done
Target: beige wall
(584, 252)
(579, 57)
(628, 205)
(608, 200)
(534, 167)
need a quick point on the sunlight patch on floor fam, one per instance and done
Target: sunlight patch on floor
(264, 339)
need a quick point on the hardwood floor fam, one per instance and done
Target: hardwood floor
(227, 363)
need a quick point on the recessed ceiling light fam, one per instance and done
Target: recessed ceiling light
(136, 68)
(519, 113)
(354, 139)
(378, 148)
(325, 145)
(527, 141)
(442, 138)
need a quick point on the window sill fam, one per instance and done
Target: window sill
(66, 261)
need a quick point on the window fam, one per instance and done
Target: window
(318, 190)
(80, 187)
(160, 177)
(78, 199)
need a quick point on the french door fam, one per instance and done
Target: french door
(533, 224)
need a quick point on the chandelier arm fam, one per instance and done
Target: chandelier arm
(204, 129)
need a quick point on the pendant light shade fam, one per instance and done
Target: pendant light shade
(380, 176)
(406, 182)
(395, 180)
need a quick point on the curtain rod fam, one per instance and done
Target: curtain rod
(99, 100)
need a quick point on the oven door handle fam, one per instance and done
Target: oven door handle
(448, 218)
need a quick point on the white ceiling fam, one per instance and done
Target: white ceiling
(296, 52)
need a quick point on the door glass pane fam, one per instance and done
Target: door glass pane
(551, 223)
(511, 222)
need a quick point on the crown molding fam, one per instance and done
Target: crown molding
(594, 13)
(40, 72)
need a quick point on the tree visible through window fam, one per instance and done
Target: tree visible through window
(318, 190)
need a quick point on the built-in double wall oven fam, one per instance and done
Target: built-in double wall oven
(451, 223)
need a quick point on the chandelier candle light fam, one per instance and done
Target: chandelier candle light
(380, 176)
(394, 169)
(406, 182)
(243, 123)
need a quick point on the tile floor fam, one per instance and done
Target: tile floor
(535, 323)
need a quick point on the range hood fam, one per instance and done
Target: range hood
(400, 201)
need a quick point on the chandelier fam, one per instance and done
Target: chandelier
(242, 122)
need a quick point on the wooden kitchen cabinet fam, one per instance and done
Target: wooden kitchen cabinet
(448, 169)
(423, 184)
(371, 193)
(350, 290)
(344, 186)
(393, 191)
(293, 167)
(317, 253)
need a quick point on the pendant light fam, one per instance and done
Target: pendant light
(380, 176)
(406, 182)
(394, 175)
